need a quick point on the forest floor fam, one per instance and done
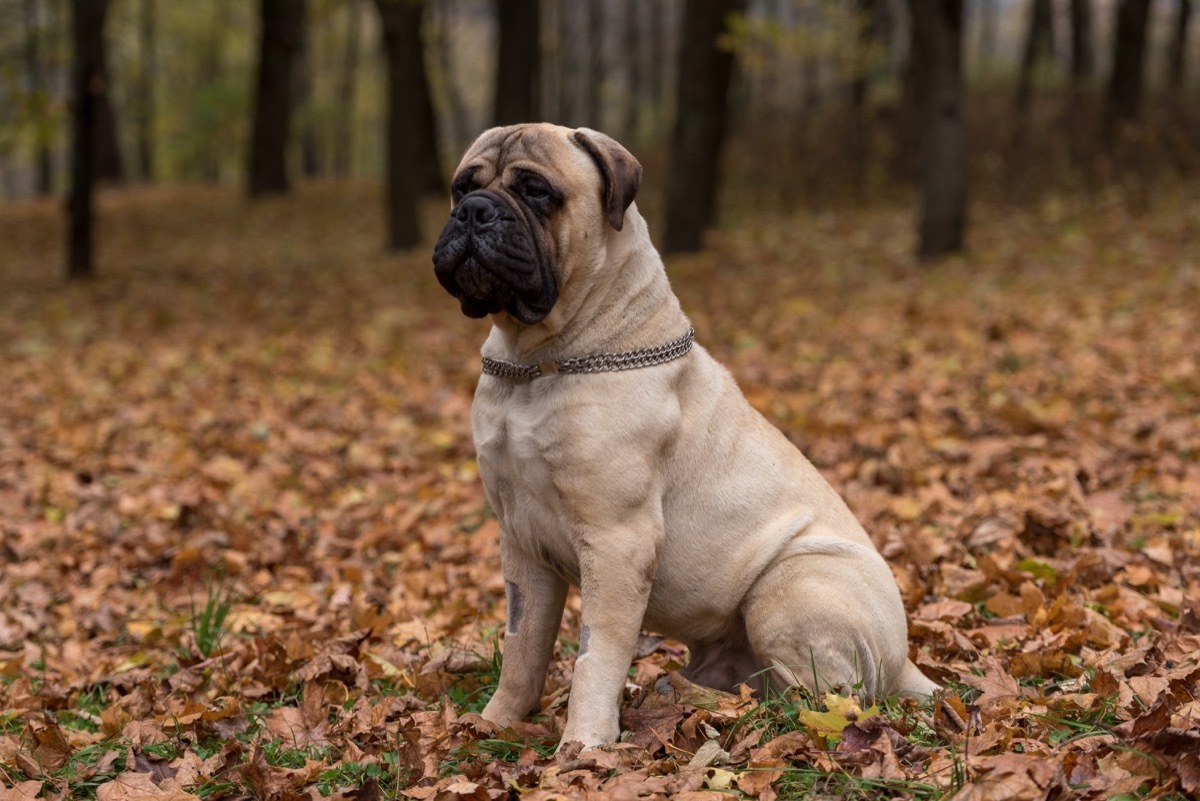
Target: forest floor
(244, 550)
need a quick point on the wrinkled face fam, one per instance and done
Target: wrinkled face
(516, 196)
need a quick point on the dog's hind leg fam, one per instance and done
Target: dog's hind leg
(827, 615)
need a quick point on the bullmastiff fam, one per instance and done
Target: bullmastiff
(622, 458)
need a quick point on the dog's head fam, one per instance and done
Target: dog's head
(528, 202)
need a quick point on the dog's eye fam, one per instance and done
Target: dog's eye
(535, 190)
(463, 185)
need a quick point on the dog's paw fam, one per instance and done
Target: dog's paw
(582, 740)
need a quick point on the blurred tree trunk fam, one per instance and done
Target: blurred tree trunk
(1177, 54)
(705, 72)
(343, 139)
(282, 31)
(518, 62)
(1039, 46)
(110, 166)
(87, 85)
(411, 144)
(937, 36)
(34, 72)
(1083, 50)
(145, 90)
(1129, 65)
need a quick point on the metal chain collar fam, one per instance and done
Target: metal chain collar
(597, 363)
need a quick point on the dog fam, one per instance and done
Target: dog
(620, 457)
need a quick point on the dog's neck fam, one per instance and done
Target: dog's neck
(622, 303)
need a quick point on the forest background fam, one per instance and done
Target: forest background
(950, 248)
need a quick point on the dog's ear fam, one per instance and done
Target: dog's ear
(620, 172)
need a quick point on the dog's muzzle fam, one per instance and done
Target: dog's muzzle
(488, 258)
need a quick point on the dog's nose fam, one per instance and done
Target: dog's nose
(477, 210)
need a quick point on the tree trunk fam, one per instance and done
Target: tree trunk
(282, 29)
(1129, 64)
(87, 33)
(1177, 54)
(408, 96)
(705, 72)
(110, 166)
(1083, 50)
(405, 18)
(937, 35)
(149, 66)
(343, 149)
(518, 62)
(1039, 45)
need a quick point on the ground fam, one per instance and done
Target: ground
(244, 551)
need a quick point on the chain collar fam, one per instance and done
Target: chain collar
(596, 363)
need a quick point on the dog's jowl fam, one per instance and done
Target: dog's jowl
(620, 457)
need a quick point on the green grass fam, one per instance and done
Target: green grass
(208, 625)
(473, 690)
(388, 776)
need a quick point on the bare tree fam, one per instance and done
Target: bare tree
(937, 43)
(411, 141)
(110, 165)
(87, 84)
(705, 71)
(1129, 66)
(281, 35)
(518, 62)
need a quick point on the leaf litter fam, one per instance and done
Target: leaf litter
(245, 552)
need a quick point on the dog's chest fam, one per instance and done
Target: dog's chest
(519, 445)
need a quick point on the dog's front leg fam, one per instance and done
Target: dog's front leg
(615, 586)
(536, 597)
